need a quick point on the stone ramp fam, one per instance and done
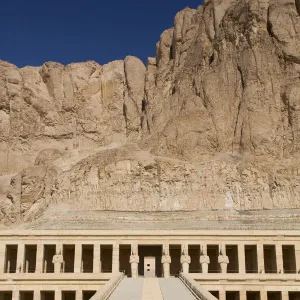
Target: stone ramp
(128, 289)
(173, 289)
(151, 289)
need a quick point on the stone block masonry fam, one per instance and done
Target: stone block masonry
(241, 263)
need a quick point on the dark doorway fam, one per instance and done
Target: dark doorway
(125, 252)
(30, 258)
(232, 253)
(270, 259)
(11, 258)
(49, 252)
(274, 295)
(68, 295)
(232, 295)
(215, 294)
(251, 259)
(106, 258)
(6, 295)
(47, 295)
(289, 258)
(87, 295)
(69, 256)
(175, 266)
(253, 295)
(26, 295)
(152, 251)
(294, 295)
(194, 253)
(213, 253)
(87, 258)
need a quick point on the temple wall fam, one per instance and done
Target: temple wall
(103, 253)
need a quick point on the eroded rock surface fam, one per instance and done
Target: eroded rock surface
(212, 122)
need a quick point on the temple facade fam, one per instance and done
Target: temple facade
(74, 264)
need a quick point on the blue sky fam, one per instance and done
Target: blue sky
(35, 31)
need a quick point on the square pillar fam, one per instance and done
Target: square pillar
(78, 295)
(222, 294)
(16, 295)
(2, 258)
(97, 261)
(243, 295)
(57, 295)
(241, 257)
(78, 258)
(284, 295)
(279, 258)
(39, 258)
(260, 258)
(116, 259)
(36, 295)
(263, 295)
(297, 255)
(20, 258)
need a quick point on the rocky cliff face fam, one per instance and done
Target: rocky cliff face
(213, 122)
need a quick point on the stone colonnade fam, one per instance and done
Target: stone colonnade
(223, 260)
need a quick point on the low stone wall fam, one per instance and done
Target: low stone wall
(197, 290)
(104, 293)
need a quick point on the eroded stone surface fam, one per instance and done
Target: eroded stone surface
(211, 123)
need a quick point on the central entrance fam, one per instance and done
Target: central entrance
(149, 266)
(150, 260)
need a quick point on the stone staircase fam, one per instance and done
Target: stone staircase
(151, 289)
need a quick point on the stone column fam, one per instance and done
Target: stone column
(78, 258)
(97, 260)
(279, 258)
(223, 259)
(57, 295)
(297, 255)
(222, 294)
(204, 259)
(16, 295)
(166, 261)
(241, 256)
(58, 260)
(78, 295)
(263, 295)
(20, 258)
(284, 295)
(39, 258)
(185, 259)
(134, 261)
(243, 295)
(36, 294)
(260, 258)
(116, 258)
(2, 258)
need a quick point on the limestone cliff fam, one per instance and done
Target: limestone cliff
(213, 122)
